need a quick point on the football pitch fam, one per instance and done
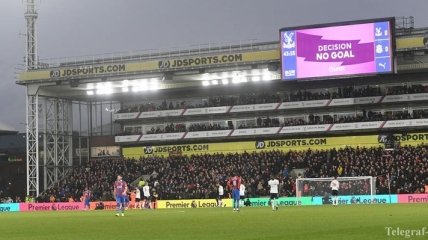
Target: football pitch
(317, 222)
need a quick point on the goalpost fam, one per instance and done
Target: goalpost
(349, 186)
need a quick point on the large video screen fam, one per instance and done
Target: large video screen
(344, 49)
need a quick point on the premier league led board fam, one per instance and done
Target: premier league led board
(337, 50)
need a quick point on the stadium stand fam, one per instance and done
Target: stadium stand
(274, 121)
(98, 174)
(253, 98)
(181, 177)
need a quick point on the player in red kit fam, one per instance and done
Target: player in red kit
(120, 191)
(234, 183)
(87, 198)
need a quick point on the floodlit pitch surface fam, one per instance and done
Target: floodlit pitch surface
(321, 222)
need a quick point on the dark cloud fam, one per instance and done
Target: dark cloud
(87, 27)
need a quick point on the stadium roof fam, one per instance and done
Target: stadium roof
(114, 77)
(6, 129)
(12, 143)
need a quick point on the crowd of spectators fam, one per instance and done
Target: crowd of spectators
(397, 90)
(267, 122)
(196, 176)
(4, 192)
(7, 200)
(98, 175)
(366, 116)
(169, 128)
(420, 114)
(345, 92)
(149, 107)
(262, 123)
(363, 116)
(131, 132)
(197, 127)
(259, 98)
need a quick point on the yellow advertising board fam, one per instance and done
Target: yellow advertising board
(411, 139)
(299, 144)
(250, 146)
(88, 71)
(411, 42)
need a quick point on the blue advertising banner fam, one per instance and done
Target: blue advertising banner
(9, 207)
(363, 199)
(286, 201)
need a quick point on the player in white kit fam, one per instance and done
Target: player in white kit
(274, 186)
(137, 197)
(241, 194)
(334, 191)
(220, 195)
(146, 196)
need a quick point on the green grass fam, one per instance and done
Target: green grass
(320, 222)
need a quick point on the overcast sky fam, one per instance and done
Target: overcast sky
(88, 27)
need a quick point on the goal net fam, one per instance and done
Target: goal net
(349, 186)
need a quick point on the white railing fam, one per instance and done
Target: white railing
(148, 54)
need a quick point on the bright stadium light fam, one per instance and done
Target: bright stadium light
(153, 88)
(143, 85)
(134, 83)
(267, 76)
(143, 81)
(108, 88)
(135, 89)
(206, 76)
(90, 86)
(125, 89)
(125, 83)
(154, 84)
(255, 79)
(108, 91)
(236, 79)
(104, 88)
(90, 92)
(139, 85)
